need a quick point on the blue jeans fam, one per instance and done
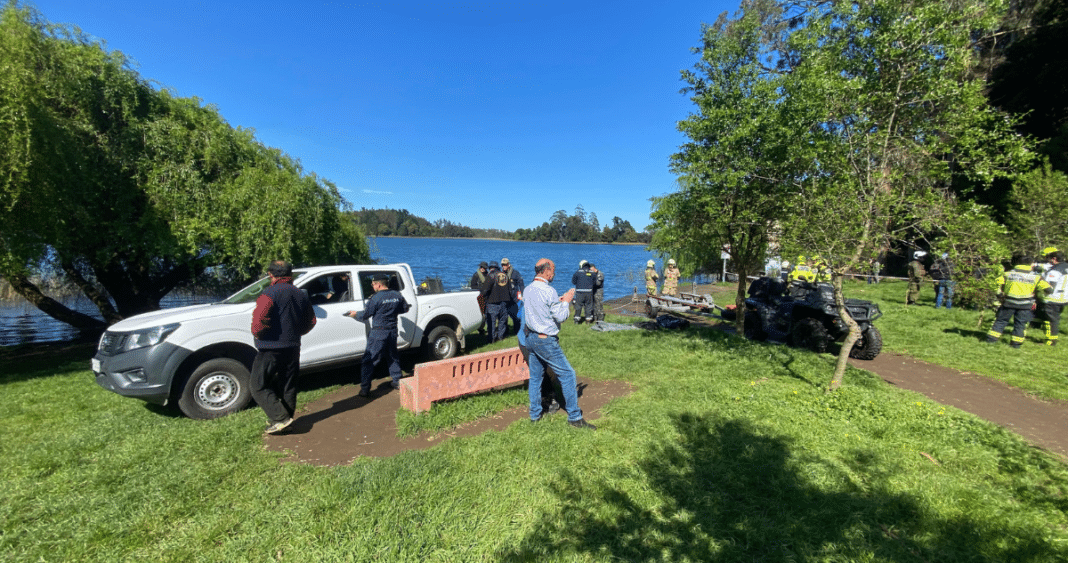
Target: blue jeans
(546, 352)
(944, 288)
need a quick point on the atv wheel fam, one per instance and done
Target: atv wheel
(754, 327)
(868, 346)
(809, 333)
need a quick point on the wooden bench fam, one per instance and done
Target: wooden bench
(445, 379)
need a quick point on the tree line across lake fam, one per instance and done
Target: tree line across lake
(561, 227)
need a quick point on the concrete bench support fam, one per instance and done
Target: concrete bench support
(445, 379)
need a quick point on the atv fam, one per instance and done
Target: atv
(803, 314)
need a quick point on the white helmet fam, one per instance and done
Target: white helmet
(650, 264)
(919, 254)
(671, 261)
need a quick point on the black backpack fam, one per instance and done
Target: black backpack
(938, 270)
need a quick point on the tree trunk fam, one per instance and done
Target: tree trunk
(739, 302)
(111, 316)
(851, 338)
(21, 284)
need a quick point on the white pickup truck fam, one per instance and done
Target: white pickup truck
(200, 356)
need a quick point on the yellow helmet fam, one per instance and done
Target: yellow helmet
(801, 259)
(1049, 250)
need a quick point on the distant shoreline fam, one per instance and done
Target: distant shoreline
(513, 240)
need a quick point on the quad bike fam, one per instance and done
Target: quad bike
(804, 315)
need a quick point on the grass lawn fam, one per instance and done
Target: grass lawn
(956, 338)
(727, 451)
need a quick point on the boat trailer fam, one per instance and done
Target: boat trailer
(692, 303)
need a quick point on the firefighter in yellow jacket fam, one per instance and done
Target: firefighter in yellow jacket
(803, 271)
(651, 277)
(1018, 288)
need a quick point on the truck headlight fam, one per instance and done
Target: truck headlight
(147, 337)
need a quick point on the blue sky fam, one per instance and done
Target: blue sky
(488, 114)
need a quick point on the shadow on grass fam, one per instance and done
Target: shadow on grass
(728, 492)
(979, 335)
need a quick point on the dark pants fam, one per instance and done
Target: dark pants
(598, 305)
(275, 373)
(583, 304)
(497, 320)
(381, 346)
(1020, 319)
(1050, 313)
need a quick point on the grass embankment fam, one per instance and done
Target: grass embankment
(726, 451)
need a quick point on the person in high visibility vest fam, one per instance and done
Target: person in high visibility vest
(651, 277)
(1052, 307)
(803, 271)
(1017, 288)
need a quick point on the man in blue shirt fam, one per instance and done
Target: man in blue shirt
(543, 312)
(382, 309)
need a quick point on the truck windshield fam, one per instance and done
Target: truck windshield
(250, 293)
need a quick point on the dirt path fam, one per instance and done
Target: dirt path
(340, 427)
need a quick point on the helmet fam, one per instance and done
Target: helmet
(582, 263)
(650, 264)
(919, 254)
(801, 259)
(1049, 250)
(671, 261)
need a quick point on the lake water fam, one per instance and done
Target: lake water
(452, 260)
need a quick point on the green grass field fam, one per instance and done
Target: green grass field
(726, 451)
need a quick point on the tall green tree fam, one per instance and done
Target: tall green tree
(739, 170)
(129, 191)
(902, 110)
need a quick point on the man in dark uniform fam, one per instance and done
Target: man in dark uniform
(282, 315)
(583, 280)
(517, 292)
(498, 294)
(477, 280)
(382, 309)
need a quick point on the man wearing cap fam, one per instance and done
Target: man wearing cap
(497, 292)
(671, 279)
(477, 280)
(1056, 275)
(651, 277)
(282, 315)
(517, 292)
(916, 273)
(382, 309)
(583, 280)
(544, 310)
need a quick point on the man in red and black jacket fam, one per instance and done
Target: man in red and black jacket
(283, 314)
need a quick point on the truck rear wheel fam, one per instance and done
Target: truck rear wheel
(218, 387)
(441, 343)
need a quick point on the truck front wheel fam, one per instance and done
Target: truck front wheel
(441, 343)
(217, 387)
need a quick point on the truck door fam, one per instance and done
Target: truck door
(406, 322)
(335, 336)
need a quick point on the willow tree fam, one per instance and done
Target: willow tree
(128, 191)
(901, 111)
(740, 167)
